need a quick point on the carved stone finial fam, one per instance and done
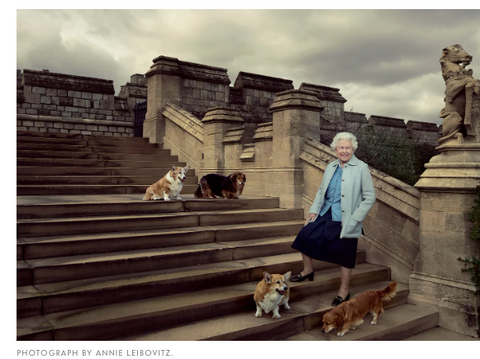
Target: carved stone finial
(453, 61)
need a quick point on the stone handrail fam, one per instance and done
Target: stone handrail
(184, 135)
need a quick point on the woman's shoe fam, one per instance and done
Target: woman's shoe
(300, 278)
(338, 300)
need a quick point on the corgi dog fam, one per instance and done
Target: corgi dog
(272, 292)
(349, 314)
(169, 186)
(214, 185)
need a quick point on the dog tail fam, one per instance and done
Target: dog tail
(389, 292)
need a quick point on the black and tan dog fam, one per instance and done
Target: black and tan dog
(213, 186)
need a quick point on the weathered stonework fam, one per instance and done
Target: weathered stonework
(296, 119)
(330, 99)
(216, 123)
(448, 189)
(52, 102)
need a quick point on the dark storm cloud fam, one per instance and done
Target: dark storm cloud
(384, 61)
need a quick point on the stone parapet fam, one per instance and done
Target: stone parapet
(253, 94)
(73, 99)
(47, 79)
(330, 99)
(184, 135)
(188, 70)
(260, 82)
(57, 124)
(324, 92)
(387, 122)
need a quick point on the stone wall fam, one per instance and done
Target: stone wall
(52, 102)
(252, 95)
(55, 102)
(330, 99)
(281, 161)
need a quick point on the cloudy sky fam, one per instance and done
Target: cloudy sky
(385, 62)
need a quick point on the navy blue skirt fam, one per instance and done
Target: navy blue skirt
(321, 240)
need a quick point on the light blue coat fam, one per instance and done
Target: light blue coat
(358, 195)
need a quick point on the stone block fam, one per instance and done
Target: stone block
(78, 102)
(77, 94)
(39, 90)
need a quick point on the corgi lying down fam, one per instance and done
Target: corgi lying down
(272, 292)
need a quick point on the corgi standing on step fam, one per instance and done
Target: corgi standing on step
(169, 186)
(272, 292)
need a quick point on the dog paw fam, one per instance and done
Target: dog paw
(373, 322)
(276, 316)
(340, 334)
(258, 314)
(287, 307)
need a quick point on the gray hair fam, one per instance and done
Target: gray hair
(344, 136)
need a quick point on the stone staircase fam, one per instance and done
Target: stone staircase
(76, 164)
(95, 262)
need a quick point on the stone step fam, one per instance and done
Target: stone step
(142, 148)
(100, 156)
(102, 224)
(440, 334)
(72, 245)
(301, 322)
(57, 269)
(62, 162)
(91, 205)
(88, 292)
(95, 180)
(62, 190)
(395, 324)
(76, 139)
(159, 172)
(107, 144)
(126, 319)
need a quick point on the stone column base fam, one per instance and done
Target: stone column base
(458, 303)
(154, 129)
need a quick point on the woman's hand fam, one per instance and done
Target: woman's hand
(311, 217)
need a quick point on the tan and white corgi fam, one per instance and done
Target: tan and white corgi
(169, 186)
(272, 292)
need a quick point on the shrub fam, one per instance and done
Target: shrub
(472, 264)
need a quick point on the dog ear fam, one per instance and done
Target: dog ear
(337, 321)
(287, 276)
(267, 277)
(173, 167)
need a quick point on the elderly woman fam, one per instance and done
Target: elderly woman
(334, 224)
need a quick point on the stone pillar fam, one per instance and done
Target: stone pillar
(448, 189)
(296, 118)
(164, 81)
(216, 122)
